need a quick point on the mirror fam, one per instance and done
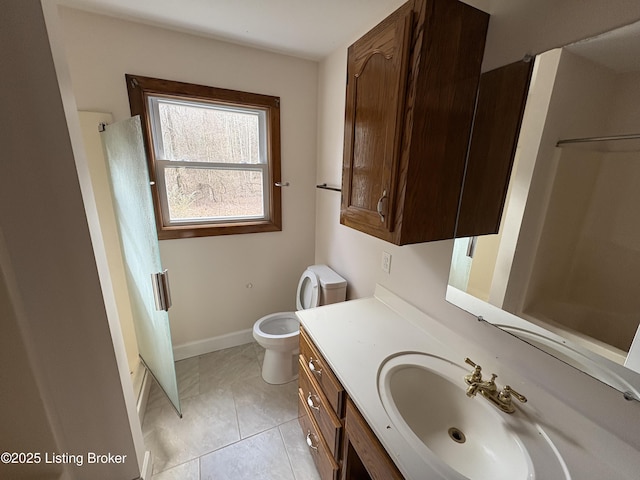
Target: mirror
(562, 272)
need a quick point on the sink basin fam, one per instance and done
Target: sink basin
(467, 438)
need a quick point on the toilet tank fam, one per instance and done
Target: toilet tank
(333, 288)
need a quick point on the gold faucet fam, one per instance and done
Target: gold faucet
(489, 390)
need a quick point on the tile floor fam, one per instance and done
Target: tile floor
(234, 425)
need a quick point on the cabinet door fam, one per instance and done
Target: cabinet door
(364, 457)
(376, 80)
(501, 100)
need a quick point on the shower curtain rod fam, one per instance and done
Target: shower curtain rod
(598, 139)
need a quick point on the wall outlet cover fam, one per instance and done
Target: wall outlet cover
(386, 262)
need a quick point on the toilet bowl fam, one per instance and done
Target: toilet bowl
(279, 332)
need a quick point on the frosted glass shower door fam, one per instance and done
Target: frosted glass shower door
(129, 178)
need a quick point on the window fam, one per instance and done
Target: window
(214, 157)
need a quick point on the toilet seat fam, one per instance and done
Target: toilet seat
(279, 333)
(308, 292)
(279, 325)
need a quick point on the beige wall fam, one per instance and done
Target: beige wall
(416, 270)
(89, 122)
(220, 285)
(210, 276)
(419, 273)
(62, 320)
(57, 324)
(23, 416)
(520, 27)
(69, 342)
(587, 260)
(483, 266)
(573, 111)
(625, 114)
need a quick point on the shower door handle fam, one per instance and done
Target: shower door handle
(471, 248)
(161, 290)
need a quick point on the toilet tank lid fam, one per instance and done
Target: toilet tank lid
(328, 278)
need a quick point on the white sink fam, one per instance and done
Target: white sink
(424, 396)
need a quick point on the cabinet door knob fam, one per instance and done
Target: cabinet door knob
(310, 441)
(311, 401)
(379, 206)
(314, 368)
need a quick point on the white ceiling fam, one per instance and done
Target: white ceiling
(304, 28)
(314, 28)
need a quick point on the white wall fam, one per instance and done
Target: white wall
(55, 321)
(588, 256)
(63, 322)
(416, 270)
(574, 111)
(625, 116)
(211, 276)
(518, 27)
(419, 273)
(89, 122)
(23, 415)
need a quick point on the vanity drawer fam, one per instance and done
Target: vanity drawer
(319, 370)
(325, 463)
(324, 416)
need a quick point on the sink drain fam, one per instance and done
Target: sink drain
(457, 435)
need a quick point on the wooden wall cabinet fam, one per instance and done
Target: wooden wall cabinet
(340, 441)
(411, 88)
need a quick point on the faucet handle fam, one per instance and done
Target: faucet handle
(476, 375)
(470, 362)
(508, 392)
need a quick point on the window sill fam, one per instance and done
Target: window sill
(192, 231)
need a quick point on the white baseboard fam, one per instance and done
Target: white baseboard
(143, 396)
(147, 466)
(212, 344)
(137, 378)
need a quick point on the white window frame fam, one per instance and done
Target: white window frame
(163, 163)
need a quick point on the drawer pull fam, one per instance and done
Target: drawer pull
(310, 399)
(310, 441)
(314, 368)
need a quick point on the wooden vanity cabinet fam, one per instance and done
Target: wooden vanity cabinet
(320, 409)
(350, 452)
(326, 463)
(319, 372)
(364, 457)
(411, 87)
(328, 424)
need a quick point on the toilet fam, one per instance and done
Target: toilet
(278, 333)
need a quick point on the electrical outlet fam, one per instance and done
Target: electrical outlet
(386, 262)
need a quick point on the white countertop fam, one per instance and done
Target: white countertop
(357, 336)
(370, 331)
